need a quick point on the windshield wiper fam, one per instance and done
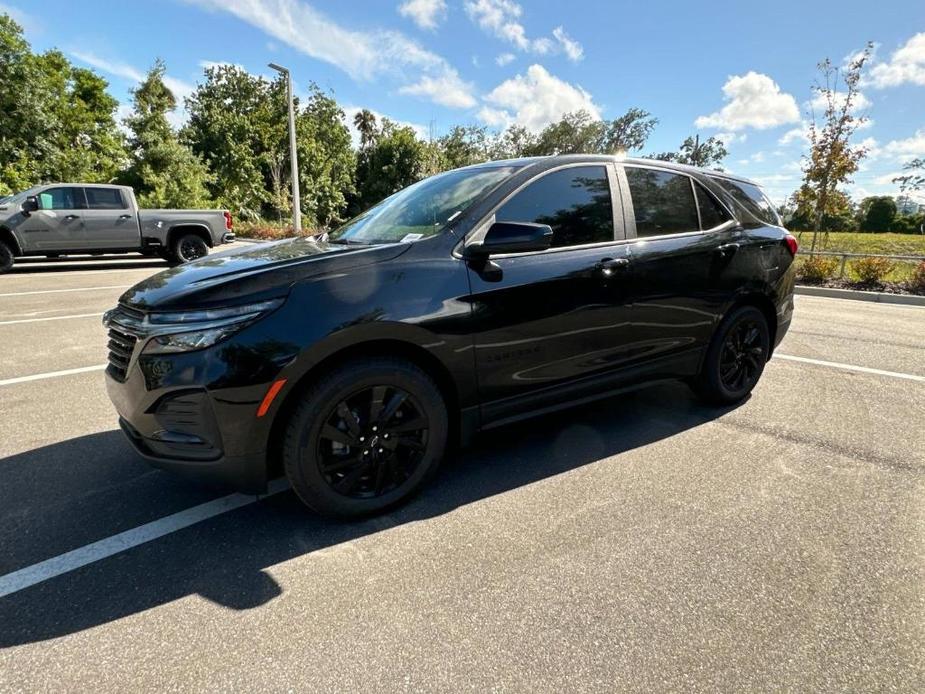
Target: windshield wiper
(348, 242)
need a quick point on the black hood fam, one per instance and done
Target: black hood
(256, 271)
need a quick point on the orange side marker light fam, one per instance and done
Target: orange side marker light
(271, 394)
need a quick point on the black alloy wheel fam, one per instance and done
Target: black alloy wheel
(736, 357)
(190, 247)
(365, 437)
(372, 442)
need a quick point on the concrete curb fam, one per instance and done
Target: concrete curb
(856, 295)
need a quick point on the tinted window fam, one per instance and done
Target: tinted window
(712, 213)
(663, 202)
(575, 202)
(752, 199)
(104, 198)
(61, 199)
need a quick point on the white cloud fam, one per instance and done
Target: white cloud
(501, 18)
(447, 89)
(24, 19)
(861, 102)
(534, 100)
(872, 146)
(112, 67)
(505, 58)
(908, 148)
(572, 48)
(800, 134)
(754, 101)
(364, 55)
(427, 14)
(906, 64)
(350, 113)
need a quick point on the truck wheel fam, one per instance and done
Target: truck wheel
(365, 437)
(189, 247)
(6, 258)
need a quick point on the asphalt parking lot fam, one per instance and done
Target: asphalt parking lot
(640, 543)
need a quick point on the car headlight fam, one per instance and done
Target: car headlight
(187, 331)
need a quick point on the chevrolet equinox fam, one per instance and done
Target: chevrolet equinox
(350, 361)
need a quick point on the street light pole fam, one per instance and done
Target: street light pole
(293, 154)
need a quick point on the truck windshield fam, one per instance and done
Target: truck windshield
(422, 209)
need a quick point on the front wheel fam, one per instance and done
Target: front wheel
(736, 357)
(365, 438)
(189, 247)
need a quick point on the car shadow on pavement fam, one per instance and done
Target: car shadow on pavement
(224, 559)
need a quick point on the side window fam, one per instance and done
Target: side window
(104, 199)
(61, 199)
(712, 214)
(575, 202)
(751, 198)
(663, 202)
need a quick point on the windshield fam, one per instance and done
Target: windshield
(422, 209)
(752, 198)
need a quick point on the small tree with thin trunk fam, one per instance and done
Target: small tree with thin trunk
(832, 159)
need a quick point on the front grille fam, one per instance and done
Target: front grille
(121, 346)
(124, 324)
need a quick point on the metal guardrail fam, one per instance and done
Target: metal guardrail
(844, 257)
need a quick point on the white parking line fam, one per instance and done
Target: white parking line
(62, 291)
(39, 320)
(107, 547)
(51, 374)
(851, 367)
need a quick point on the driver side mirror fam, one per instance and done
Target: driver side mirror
(30, 204)
(511, 237)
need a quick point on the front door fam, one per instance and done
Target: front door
(57, 225)
(547, 323)
(108, 222)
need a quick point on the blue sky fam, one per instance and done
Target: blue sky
(739, 69)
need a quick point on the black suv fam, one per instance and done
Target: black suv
(352, 360)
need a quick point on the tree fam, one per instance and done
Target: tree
(465, 145)
(693, 152)
(629, 132)
(879, 212)
(396, 159)
(832, 159)
(238, 124)
(365, 122)
(326, 160)
(57, 122)
(580, 133)
(915, 179)
(841, 216)
(163, 172)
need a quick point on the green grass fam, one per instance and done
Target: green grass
(860, 242)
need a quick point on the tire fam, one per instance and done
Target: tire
(189, 247)
(345, 461)
(6, 258)
(736, 357)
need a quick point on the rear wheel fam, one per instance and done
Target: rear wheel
(736, 357)
(189, 247)
(6, 258)
(365, 438)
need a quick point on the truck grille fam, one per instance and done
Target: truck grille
(122, 340)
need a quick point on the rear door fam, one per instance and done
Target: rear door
(684, 263)
(109, 223)
(57, 225)
(548, 322)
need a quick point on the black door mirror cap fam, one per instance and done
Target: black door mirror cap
(511, 237)
(30, 204)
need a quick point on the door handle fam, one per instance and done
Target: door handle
(610, 266)
(69, 217)
(125, 216)
(727, 250)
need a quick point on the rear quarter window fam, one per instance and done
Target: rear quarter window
(752, 198)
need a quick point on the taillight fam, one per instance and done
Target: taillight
(792, 244)
(229, 223)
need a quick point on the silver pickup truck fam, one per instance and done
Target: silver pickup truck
(81, 218)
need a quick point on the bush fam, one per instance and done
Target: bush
(917, 281)
(817, 268)
(265, 231)
(872, 270)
